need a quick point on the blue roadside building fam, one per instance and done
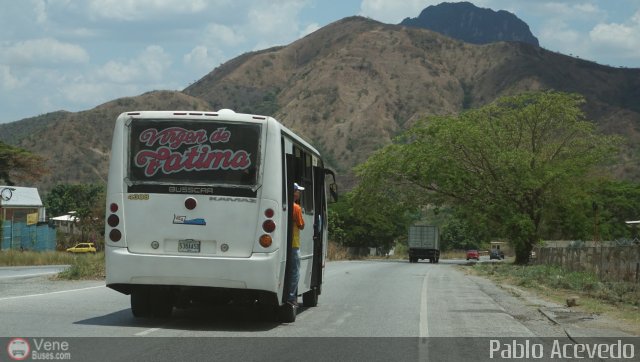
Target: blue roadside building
(23, 223)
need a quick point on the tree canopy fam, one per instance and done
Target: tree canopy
(87, 200)
(359, 222)
(18, 165)
(511, 164)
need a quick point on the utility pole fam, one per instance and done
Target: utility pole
(5, 195)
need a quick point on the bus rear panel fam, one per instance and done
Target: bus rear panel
(197, 210)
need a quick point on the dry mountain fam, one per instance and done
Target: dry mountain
(353, 85)
(77, 145)
(349, 88)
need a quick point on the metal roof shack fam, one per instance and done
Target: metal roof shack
(23, 201)
(67, 223)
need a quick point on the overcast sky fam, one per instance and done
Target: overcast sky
(76, 54)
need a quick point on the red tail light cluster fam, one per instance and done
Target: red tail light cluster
(113, 220)
(269, 226)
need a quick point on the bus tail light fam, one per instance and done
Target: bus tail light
(268, 226)
(190, 203)
(115, 235)
(113, 220)
(265, 240)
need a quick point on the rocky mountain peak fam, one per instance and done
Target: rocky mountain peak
(469, 23)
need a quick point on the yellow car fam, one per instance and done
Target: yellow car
(83, 248)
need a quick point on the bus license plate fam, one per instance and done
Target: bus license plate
(189, 246)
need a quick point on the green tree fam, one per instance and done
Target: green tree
(363, 222)
(19, 165)
(87, 200)
(463, 233)
(617, 202)
(509, 163)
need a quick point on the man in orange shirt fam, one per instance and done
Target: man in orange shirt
(298, 224)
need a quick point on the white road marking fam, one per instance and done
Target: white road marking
(424, 327)
(28, 275)
(150, 330)
(58, 292)
(342, 319)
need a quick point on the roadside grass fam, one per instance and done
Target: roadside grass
(82, 266)
(27, 258)
(337, 252)
(453, 254)
(85, 266)
(620, 300)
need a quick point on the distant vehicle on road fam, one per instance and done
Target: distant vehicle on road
(424, 243)
(82, 248)
(473, 254)
(496, 254)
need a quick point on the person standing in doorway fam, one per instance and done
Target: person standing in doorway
(298, 224)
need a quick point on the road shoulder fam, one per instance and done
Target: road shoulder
(551, 317)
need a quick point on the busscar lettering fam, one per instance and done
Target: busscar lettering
(191, 190)
(196, 158)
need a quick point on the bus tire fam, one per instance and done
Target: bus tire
(310, 298)
(140, 303)
(287, 313)
(161, 303)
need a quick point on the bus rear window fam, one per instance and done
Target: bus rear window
(193, 152)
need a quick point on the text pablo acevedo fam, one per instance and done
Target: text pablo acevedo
(518, 349)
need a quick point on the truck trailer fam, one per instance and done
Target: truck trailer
(424, 243)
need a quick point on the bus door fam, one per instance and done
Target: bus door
(319, 225)
(288, 188)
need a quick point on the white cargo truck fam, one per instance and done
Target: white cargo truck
(424, 243)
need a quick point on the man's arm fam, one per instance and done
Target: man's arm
(298, 219)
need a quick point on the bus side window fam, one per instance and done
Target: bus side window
(304, 176)
(307, 180)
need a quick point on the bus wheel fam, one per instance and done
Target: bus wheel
(141, 303)
(310, 298)
(161, 303)
(287, 313)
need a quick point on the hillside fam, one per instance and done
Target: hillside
(77, 145)
(352, 86)
(349, 88)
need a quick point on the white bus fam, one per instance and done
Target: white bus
(199, 211)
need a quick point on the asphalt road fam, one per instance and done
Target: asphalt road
(23, 272)
(360, 300)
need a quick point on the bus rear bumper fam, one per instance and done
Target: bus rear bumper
(125, 270)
